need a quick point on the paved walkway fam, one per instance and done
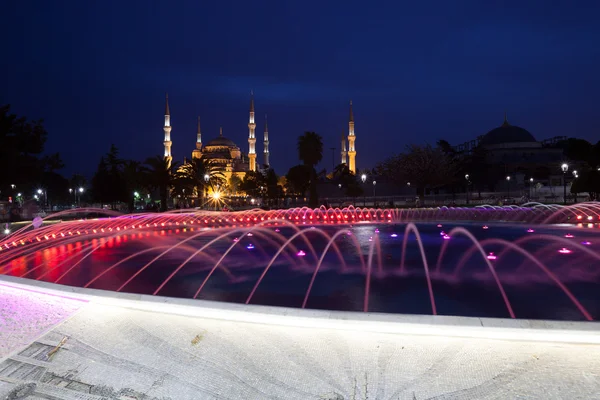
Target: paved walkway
(108, 352)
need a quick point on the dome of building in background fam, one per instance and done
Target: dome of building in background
(507, 133)
(220, 141)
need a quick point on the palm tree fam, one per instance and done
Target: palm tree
(159, 175)
(194, 174)
(310, 152)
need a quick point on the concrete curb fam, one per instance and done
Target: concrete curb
(437, 325)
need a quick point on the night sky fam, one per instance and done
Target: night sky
(97, 72)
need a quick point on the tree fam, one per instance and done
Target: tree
(422, 166)
(349, 181)
(297, 179)
(159, 175)
(21, 147)
(133, 177)
(234, 184)
(191, 177)
(310, 152)
(109, 184)
(253, 184)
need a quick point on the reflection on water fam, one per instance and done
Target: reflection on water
(177, 262)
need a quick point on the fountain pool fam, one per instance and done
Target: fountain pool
(351, 259)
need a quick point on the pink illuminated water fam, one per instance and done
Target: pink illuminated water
(339, 240)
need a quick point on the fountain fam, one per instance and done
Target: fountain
(535, 261)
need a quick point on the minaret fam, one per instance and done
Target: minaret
(197, 152)
(251, 138)
(266, 143)
(351, 138)
(167, 129)
(344, 152)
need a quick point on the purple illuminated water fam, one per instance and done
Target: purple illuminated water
(453, 268)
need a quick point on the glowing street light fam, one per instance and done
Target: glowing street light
(363, 178)
(467, 179)
(565, 168)
(508, 183)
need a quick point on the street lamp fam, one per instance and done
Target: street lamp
(508, 182)
(530, 187)
(467, 179)
(74, 193)
(363, 178)
(374, 183)
(565, 168)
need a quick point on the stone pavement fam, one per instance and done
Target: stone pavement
(111, 352)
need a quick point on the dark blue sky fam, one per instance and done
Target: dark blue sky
(97, 72)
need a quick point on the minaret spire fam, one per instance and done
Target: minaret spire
(220, 131)
(198, 136)
(167, 129)
(351, 138)
(266, 143)
(197, 152)
(251, 137)
(343, 147)
(505, 120)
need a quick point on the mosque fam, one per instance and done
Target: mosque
(519, 154)
(221, 150)
(230, 157)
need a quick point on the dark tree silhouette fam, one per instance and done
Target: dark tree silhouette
(159, 175)
(310, 152)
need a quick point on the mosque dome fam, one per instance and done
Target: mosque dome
(507, 133)
(221, 141)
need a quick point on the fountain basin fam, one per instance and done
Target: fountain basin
(451, 326)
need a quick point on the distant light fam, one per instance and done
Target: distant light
(586, 243)
(579, 217)
(439, 225)
(491, 256)
(276, 229)
(6, 231)
(442, 233)
(39, 191)
(250, 246)
(446, 237)
(216, 195)
(530, 230)
(81, 190)
(564, 250)
(568, 235)
(394, 235)
(349, 233)
(485, 227)
(590, 218)
(250, 234)
(235, 239)
(376, 230)
(301, 253)
(371, 239)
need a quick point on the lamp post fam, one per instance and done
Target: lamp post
(508, 183)
(374, 183)
(565, 168)
(467, 179)
(80, 190)
(45, 193)
(530, 187)
(206, 179)
(74, 195)
(363, 178)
